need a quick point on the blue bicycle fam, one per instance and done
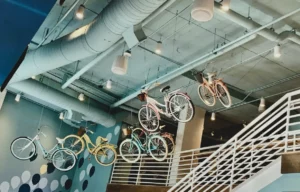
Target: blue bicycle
(155, 145)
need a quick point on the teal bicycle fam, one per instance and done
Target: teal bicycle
(155, 145)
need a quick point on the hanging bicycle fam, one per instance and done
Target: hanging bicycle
(154, 144)
(24, 148)
(105, 153)
(141, 133)
(175, 102)
(211, 89)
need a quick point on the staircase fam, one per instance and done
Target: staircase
(223, 168)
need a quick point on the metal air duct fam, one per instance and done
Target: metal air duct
(89, 40)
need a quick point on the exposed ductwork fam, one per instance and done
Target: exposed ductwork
(57, 98)
(250, 24)
(89, 40)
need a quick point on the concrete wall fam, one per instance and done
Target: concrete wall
(288, 183)
(89, 175)
(22, 119)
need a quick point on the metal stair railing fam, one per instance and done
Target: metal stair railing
(253, 148)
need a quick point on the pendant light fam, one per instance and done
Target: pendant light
(277, 51)
(108, 84)
(33, 77)
(18, 97)
(225, 5)
(213, 116)
(81, 97)
(203, 10)
(61, 115)
(262, 105)
(158, 49)
(120, 64)
(80, 12)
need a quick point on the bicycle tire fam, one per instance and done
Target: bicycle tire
(138, 132)
(76, 140)
(153, 126)
(220, 90)
(98, 159)
(18, 139)
(174, 111)
(70, 153)
(170, 143)
(123, 155)
(164, 145)
(206, 89)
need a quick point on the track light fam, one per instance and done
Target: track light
(80, 12)
(18, 97)
(277, 51)
(108, 84)
(33, 77)
(203, 10)
(81, 97)
(158, 49)
(61, 115)
(262, 105)
(225, 5)
(120, 64)
(213, 116)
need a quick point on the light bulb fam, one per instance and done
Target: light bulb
(225, 5)
(213, 117)
(18, 97)
(212, 133)
(61, 115)
(33, 77)
(81, 97)
(262, 105)
(80, 12)
(108, 84)
(158, 48)
(277, 51)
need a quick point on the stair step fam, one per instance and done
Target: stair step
(135, 188)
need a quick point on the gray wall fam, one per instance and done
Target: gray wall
(22, 119)
(90, 176)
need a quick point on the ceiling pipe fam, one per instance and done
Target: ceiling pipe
(54, 97)
(250, 24)
(203, 59)
(113, 47)
(94, 38)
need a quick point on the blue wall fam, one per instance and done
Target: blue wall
(287, 182)
(22, 119)
(89, 175)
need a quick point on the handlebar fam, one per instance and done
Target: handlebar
(40, 132)
(89, 131)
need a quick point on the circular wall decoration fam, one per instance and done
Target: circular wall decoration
(81, 161)
(24, 188)
(35, 179)
(14, 182)
(68, 184)
(43, 183)
(92, 171)
(54, 185)
(117, 129)
(50, 168)
(86, 153)
(43, 169)
(4, 187)
(76, 190)
(84, 185)
(63, 180)
(82, 174)
(25, 176)
(108, 137)
(38, 190)
(88, 168)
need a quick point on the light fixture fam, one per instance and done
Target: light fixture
(61, 115)
(203, 10)
(80, 12)
(213, 116)
(277, 51)
(108, 84)
(18, 97)
(33, 77)
(81, 97)
(262, 105)
(212, 133)
(225, 5)
(120, 64)
(158, 48)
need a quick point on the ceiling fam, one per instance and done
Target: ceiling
(184, 40)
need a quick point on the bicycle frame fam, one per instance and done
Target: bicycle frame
(138, 141)
(89, 143)
(212, 85)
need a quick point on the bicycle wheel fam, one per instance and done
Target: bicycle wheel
(170, 143)
(158, 148)
(141, 135)
(73, 143)
(148, 118)
(105, 155)
(206, 95)
(130, 151)
(178, 103)
(63, 159)
(23, 148)
(223, 94)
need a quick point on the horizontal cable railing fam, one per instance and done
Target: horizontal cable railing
(223, 167)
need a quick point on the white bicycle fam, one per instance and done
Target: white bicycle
(175, 102)
(24, 148)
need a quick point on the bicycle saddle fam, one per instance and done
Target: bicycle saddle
(59, 140)
(165, 89)
(100, 140)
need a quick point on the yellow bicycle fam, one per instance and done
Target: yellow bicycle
(105, 153)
